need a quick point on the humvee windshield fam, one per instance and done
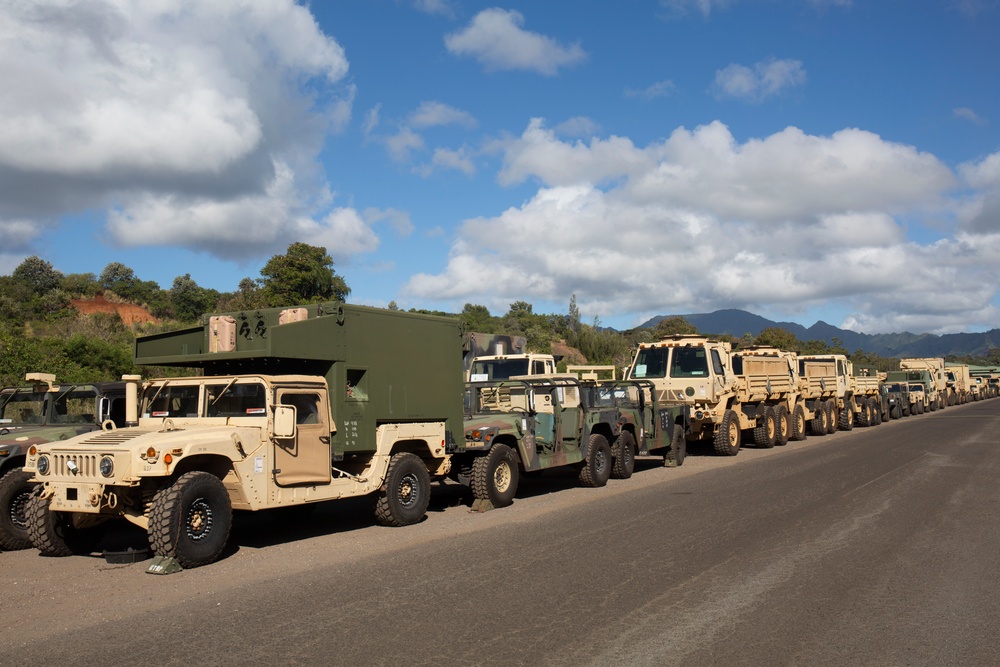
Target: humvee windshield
(896, 387)
(916, 387)
(221, 399)
(76, 406)
(22, 406)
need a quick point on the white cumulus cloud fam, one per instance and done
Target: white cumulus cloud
(755, 84)
(160, 112)
(700, 221)
(496, 39)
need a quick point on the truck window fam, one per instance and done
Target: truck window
(737, 364)
(306, 407)
(22, 407)
(499, 369)
(689, 362)
(76, 407)
(357, 384)
(173, 401)
(717, 363)
(651, 362)
(237, 400)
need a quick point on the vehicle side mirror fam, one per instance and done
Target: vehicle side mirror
(284, 421)
(103, 409)
(531, 400)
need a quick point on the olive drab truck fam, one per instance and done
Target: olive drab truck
(727, 393)
(45, 411)
(916, 386)
(530, 423)
(937, 391)
(294, 406)
(897, 397)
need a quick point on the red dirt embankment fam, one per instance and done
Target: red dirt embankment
(130, 313)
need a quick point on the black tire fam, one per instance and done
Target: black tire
(765, 432)
(15, 491)
(677, 451)
(596, 468)
(864, 416)
(877, 415)
(798, 424)
(53, 534)
(727, 439)
(403, 498)
(831, 416)
(190, 520)
(896, 412)
(782, 426)
(846, 420)
(624, 455)
(818, 424)
(495, 476)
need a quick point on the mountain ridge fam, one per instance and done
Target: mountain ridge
(736, 322)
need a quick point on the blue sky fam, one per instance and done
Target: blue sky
(802, 159)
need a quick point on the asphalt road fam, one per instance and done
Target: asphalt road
(875, 547)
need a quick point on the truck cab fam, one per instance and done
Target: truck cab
(506, 366)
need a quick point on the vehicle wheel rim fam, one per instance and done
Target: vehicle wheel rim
(406, 493)
(770, 429)
(733, 434)
(18, 516)
(200, 518)
(501, 477)
(599, 460)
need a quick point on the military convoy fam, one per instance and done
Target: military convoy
(290, 407)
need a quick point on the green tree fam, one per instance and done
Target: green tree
(81, 284)
(189, 300)
(304, 274)
(37, 275)
(573, 323)
(476, 318)
(671, 326)
(118, 278)
(783, 339)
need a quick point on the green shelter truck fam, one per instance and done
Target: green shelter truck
(293, 406)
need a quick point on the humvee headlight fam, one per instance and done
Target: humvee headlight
(42, 465)
(107, 466)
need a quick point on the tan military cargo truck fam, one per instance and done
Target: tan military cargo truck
(937, 394)
(727, 393)
(295, 406)
(958, 380)
(835, 396)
